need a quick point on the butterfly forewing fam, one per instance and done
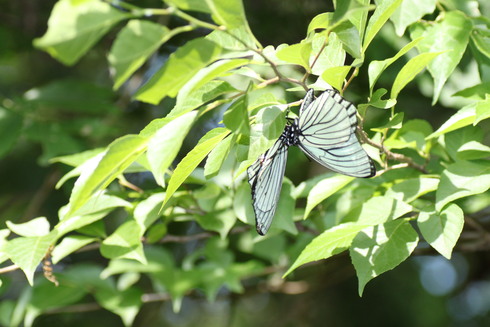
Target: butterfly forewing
(265, 177)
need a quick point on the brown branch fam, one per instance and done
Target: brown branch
(391, 155)
(354, 74)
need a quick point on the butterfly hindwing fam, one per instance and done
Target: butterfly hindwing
(327, 134)
(265, 177)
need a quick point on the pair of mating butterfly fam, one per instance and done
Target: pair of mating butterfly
(325, 131)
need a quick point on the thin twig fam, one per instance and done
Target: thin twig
(8, 269)
(391, 155)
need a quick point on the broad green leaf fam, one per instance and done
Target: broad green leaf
(164, 146)
(180, 67)
(384, 10)
(320, 21)
(465, 144)
(482, 110)
(126, 304)
(217, 156)
(377, 67)
(378, 210)
(148, 210)
(133, 46)
(269, 126)
(229, 13)
(349, 36)
(119, 155)
(94, 209)
(221, 221)
(409, 12)
(442, 230)
(200, 96)
(451, 35)
(413, 188)
(237, 39)
(47, 296)
(462, 179)
(193, 158)
(380, 248)
(78, 159)
(333, 55)
(68, 245)
(192, 5)
(411, 69)
(477, 92)
(324, 189)
(359, 17)
(27, 252)
(10, 128)
(481, 38)
(4, 233)
(335, 76)
(395, 122)
(125, 242)
(298, 54)
(327, 244)
(34, 227)
(75, 26)
(236, 118)
(463, 117)
(216, 69)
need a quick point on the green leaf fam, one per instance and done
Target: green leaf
(27, 252)
(349, 36)
(320, 21)
(298, 54)
(125, 242)
(378, 210)
(327, 244)
(133, 46)
(198, 97)
(477, 92)
(384, 10)
(335, 76)
(75, 26)
(217, 156)
(380, 248)
(377, 67)
(164, 146)
(10, 128)
(180, 67)
(229, 13)
(192, 5)
(409, 12)
(126, 304)
(68, 245)
(410, 189)
(465, 144)
(34, 227)
(119, 155)
(284, 216)
(463, 117)
(237, 39)
(482, 109)
(269, 126)
(333, 55)
(148, 210)
(236, 117)
(451, 34)
(481, 39)
(94, 209)
(462, 179)
(323, 189)
(411, 69)
(442, 230)
(193, 158)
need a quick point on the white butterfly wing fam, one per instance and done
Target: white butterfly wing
(327, 134)
(265, 177)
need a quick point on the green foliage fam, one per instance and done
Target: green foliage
(426, 179)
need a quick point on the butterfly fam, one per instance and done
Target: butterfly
(325, 131)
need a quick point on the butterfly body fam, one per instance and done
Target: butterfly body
(325, 131)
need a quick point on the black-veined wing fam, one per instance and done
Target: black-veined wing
(327, 134)
(265, 177)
